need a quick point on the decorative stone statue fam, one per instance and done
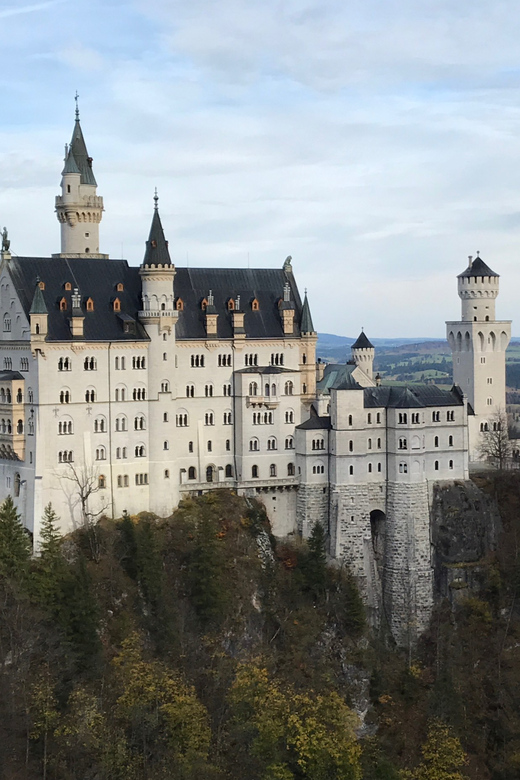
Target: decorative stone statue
(5, 241)
(287, 264)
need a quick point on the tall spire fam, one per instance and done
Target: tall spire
(306, 325)
(156, 252)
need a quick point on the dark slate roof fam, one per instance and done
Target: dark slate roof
(78, 150)
(38, 304)
(96, 278)
(337, 374)
(306, 319)
(192, 285)
(156, 252)
(477, 268)
(7, 376)
(315, 423)
(362, 342)
(411, 397)
(267, 370)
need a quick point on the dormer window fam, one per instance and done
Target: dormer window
(179, 304)
(120, 287)
(117, 305)
(204, 304)
(63, 304)
(41, 285)
(153, 243)
(90, 304)
(255, 306)
(231, 305)
(67, 286)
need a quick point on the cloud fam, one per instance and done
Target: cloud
(28, 9)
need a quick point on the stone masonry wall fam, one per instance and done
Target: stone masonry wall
(312, 506)
(407, 577)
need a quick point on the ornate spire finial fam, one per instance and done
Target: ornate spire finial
(305, 291)
(76, 96)
(156, 200)
(478, 252)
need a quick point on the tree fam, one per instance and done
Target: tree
(315, 562)
(494, 444)
(443, 756)
(15, 546)
(86, 483)
(51, 567)
(43, 709)
(206, 573)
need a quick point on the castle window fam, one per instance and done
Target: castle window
(90, 304)
(100, 425)
(41, 285)
(190, 391)
(450, 441)
(436, 416)
(369, 468)
(350, 419)
(271, 443)
(65, 397)
(289, 443)
(63, 304)
(254, 472)
(370, 444)
(403, 418)
(7, 324)
(253, 388)
(379, 467)
(250, 359)
(209, 418)
(351, 470)
(90, 396)
(192, 472)
(289, 416)
(141, 479)
(369, 418)
(304, 388)
(403, 468)
(289, 388)
(139, 362)
(436, 441)
(65, 427)
(8, 363)
(231, 305)
(139, 423)
(101, 453)
(436, 465)
(351, 446)
(166, 446)
(65, 456)
(378, 417)
(197, 361)
(226, 389)
(64, 364)
(117, 304)
(165, 417)
(290, 469)
(489, 401)
(190, 446)
(139, 451)
(210, 474)
(254, 445)
(120, 481)
(179, 304)
(90, 364)
(450, 416)
(120, 287)
(163, 307)
(208, 391)
(403, 444)
(255, 305)
(166, 474)
(224, 360)
(181, 419)
(19, 426)
(228, 445)
(139, 394)
(229, 471)
(121, 423)
(227, 418)
(165, 387)
(451, 464)
(272, 470)
(121, 393)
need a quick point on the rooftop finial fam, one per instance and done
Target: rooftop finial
(76, 96)
(156, 200)
(478, 252)
(470, 260)
(286, 292)
(211, 300)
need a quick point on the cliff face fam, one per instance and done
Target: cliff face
(465, 527)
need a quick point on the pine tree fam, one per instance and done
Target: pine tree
(315, 562)
(128, 545)
(15, 546)
(51, 568)
(206, 570)
(78, 614)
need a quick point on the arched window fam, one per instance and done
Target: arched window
(271, 443)
(289, 443)
(451, 464)
(209, 474)
(208, 391)
(351, 470)
(121, 393)
(350, 419)
(19, 397)
(436, 441)
(227, 418)
(209, 418)
(140, 451)
(117, 304)
(290, 469)
(192, 472)
(166, 474)
(100, 424)
(121, 423)
(289, 387)
(102, 482)
(90, 304)
(254, 445)
(289, 416)
(139, 423)
(450, 441)
(254, 472)
(181, 419)
(436, 465)
(90, 395)
(7, 324)
(17, 484)
(165, 387)
(253, 388)
(65, 426)
(272, 470)
(65, 396)
(351, 446)
(229, 471)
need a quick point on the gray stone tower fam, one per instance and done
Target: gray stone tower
(79, 209)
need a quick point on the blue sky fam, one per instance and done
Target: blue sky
(377, 143)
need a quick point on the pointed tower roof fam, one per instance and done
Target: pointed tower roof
(477, 267)
(362, 342)
(156, 252)
(306, 325)
(38, 305)
(71, 165)
(79, 154)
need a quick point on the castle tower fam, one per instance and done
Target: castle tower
(363, 354)
(308, 341)
(478, 342)
(79, 209)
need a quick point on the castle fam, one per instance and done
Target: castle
(126, 388)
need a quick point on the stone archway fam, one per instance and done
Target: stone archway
(378, 529)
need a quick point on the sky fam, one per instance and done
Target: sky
(377, 143)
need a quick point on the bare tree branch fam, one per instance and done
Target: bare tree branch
(494, 445)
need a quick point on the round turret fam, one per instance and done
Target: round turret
(363, 354)
(478, 289)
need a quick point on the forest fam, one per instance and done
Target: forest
(198, 646)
